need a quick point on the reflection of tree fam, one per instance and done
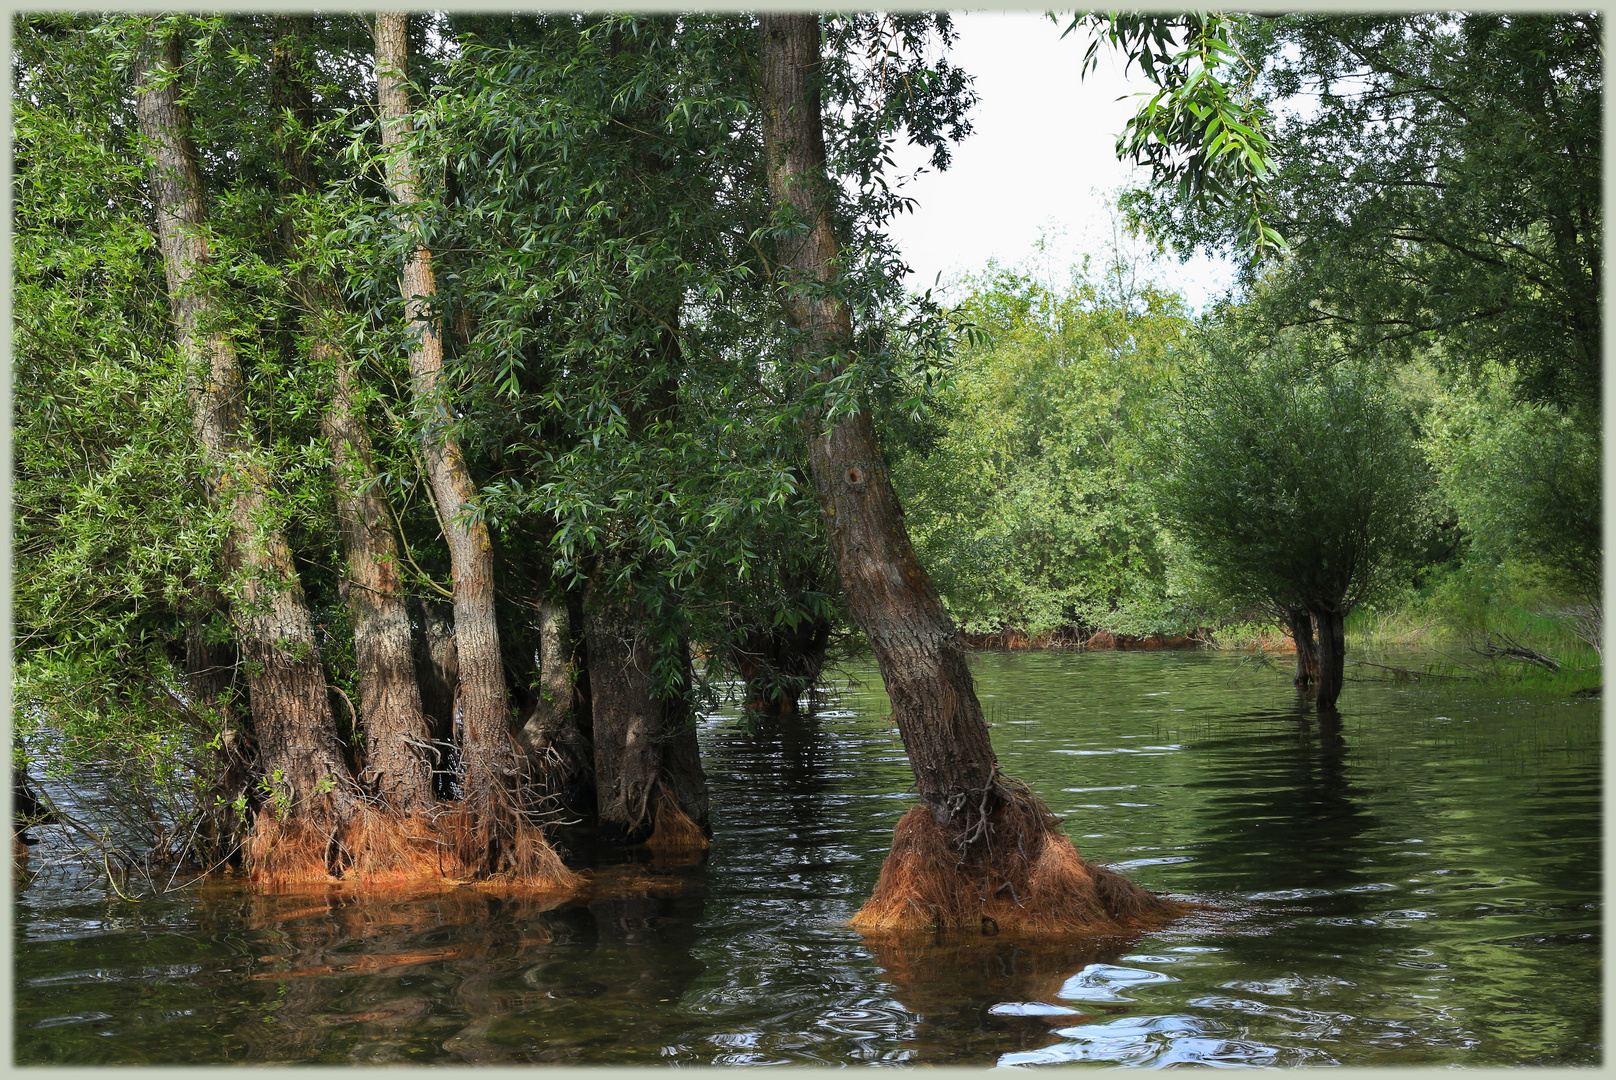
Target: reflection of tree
(473, 974)
(642, 945)
(783, 774)
(952, 981)
(790, 755)
(334, 965)
(1281, 811)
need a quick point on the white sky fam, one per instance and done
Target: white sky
(1042, 160)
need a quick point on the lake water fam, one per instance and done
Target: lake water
(1418, 887)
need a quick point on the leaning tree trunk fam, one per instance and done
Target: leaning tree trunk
(649, 783)
(311, 796)
(1300, 623)
(491, 833)
(1332, 655)
(983, 849)
(397, 766)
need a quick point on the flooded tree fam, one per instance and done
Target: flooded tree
(311, 797)
(1298, 482)
(489, 831)
(391, 717)
(982, 849)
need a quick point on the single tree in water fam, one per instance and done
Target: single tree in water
(1296, 481)
(982, 848)
(488, 833)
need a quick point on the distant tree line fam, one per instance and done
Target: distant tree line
(1410, 390)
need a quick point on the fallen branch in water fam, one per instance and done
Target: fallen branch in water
(1498, 645)
(1411, 673)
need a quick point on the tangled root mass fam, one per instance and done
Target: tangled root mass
(1020, 873)
(372, 847)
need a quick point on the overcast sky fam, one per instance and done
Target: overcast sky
(1042, 159)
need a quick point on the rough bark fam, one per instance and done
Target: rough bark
(684, 781)
(299, 752)
(558, 751)
(1332, 655)
(1300, 623)
(397, 768)
(493, 836)
(649, 783)
(983, 849)
(921, 657)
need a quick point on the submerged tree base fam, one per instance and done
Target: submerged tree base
(501, 843)
(1022, 875)
(380, 850)
(675, 830)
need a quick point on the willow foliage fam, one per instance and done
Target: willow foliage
(1028, 496)
(1294, 474)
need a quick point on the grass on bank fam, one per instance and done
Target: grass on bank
(1481, 624)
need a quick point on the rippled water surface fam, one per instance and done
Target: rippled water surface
(1419, 886)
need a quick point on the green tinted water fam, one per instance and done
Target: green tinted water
(1420, 886)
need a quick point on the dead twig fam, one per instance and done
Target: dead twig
(1497, 645)
(1411, 673)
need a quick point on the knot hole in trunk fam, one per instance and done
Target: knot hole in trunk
(855, 477)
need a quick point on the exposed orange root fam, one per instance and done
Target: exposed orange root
(1026, 878)
(675, 831)
(376, 849)
(281, 854)
(502, 847)
(389, 851)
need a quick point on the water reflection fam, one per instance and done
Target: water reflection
(978, 998)
(1281, 811)
(471, 975)
(614, 996)
(1416, 883)
(348, 969)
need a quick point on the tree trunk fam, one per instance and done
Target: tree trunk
(1300, 623)
(493, 835)
(1332, 656)
(649, 784)
(437, 665)
(983, 849)
(312, 795)
(779, 664)
(933, 699)
(395, 731)
(558, 752)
